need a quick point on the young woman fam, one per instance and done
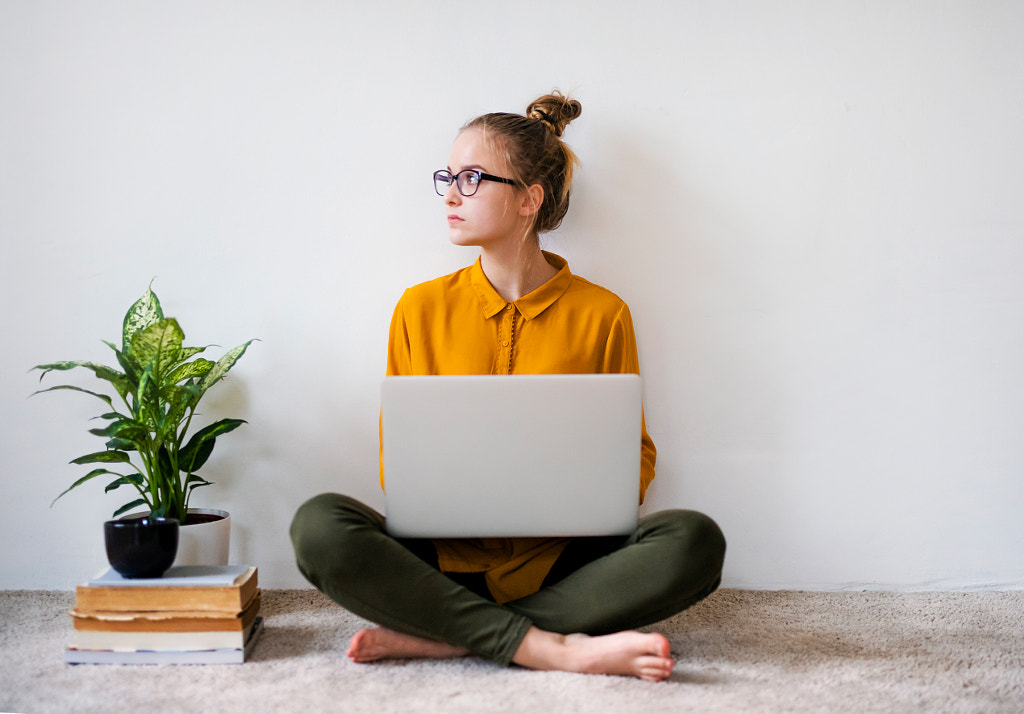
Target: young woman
(553, 604)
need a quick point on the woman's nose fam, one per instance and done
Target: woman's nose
(452, 197)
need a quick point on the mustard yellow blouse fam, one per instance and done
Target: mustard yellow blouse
(459, 324)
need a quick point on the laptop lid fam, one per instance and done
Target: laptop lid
(518, 455)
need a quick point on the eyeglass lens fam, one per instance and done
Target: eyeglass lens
(467, 181)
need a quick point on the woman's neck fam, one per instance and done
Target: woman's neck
(517, 272)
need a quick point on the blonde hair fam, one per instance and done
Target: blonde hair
(535, 153)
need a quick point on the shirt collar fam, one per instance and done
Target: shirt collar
(529, 305)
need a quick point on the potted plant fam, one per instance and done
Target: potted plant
(160, 383)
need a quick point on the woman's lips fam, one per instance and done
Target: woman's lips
(454, 219)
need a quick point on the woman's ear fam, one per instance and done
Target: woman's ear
(533, 197)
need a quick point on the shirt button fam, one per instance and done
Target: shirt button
(505, 343)
(510, 307)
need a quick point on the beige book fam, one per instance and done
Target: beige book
(167, 621)
(227, 588)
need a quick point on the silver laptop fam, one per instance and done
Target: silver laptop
(521, 455)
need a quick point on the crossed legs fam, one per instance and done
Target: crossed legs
(673, 560)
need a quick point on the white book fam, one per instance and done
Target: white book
(192, 576)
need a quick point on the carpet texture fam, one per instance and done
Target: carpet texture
(738, 651)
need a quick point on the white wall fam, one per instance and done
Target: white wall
(814, 210)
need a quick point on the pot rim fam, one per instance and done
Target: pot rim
(125, 522)
(210, 512)
(224, 515)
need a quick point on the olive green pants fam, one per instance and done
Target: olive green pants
(672, 560)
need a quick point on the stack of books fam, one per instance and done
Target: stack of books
(198, 614)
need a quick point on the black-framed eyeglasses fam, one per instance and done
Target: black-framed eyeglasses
(467, 181)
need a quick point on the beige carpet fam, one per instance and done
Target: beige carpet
(739, 651)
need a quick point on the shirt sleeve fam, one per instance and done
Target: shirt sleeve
(399, 363)
(621, 357)
(399, 346)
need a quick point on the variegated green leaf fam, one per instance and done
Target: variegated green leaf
(189, 370)
(132, 370)
(120, 445)
(180, 401)
(146, 395)
(129, 480)
(181, 397)
(73, 388)
(118, 379)
(189, 352)
(158, 346)
(165, 465)
(193, 456)
(224, 364)
(61, 366)
(144, 312)
(103, 457)
(112, 416)
(128, 430)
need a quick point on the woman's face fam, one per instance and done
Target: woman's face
(492, 216)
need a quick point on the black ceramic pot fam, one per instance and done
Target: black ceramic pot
(141, 547)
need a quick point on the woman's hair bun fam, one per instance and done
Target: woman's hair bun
(555, 109)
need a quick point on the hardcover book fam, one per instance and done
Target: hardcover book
(213, 656)
(161, 640)
(208, 588)
(167, 621)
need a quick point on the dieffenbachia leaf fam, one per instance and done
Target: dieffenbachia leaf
(134, 504)
(158, 347)
(131, 369)
(128, 430)
(119, 380)
(120, 445)
(189, 352)
(224, 364)
(112, 416)
(189, 370)
(103, 457)
(129, 480)
(73, 388)
(144, 312)
(194, 481)
(100, 370)
(198, 449)
(88, 477)
(145, 399)
(193, 456)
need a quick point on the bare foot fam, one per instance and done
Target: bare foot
(381, 643)
(633, 654)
